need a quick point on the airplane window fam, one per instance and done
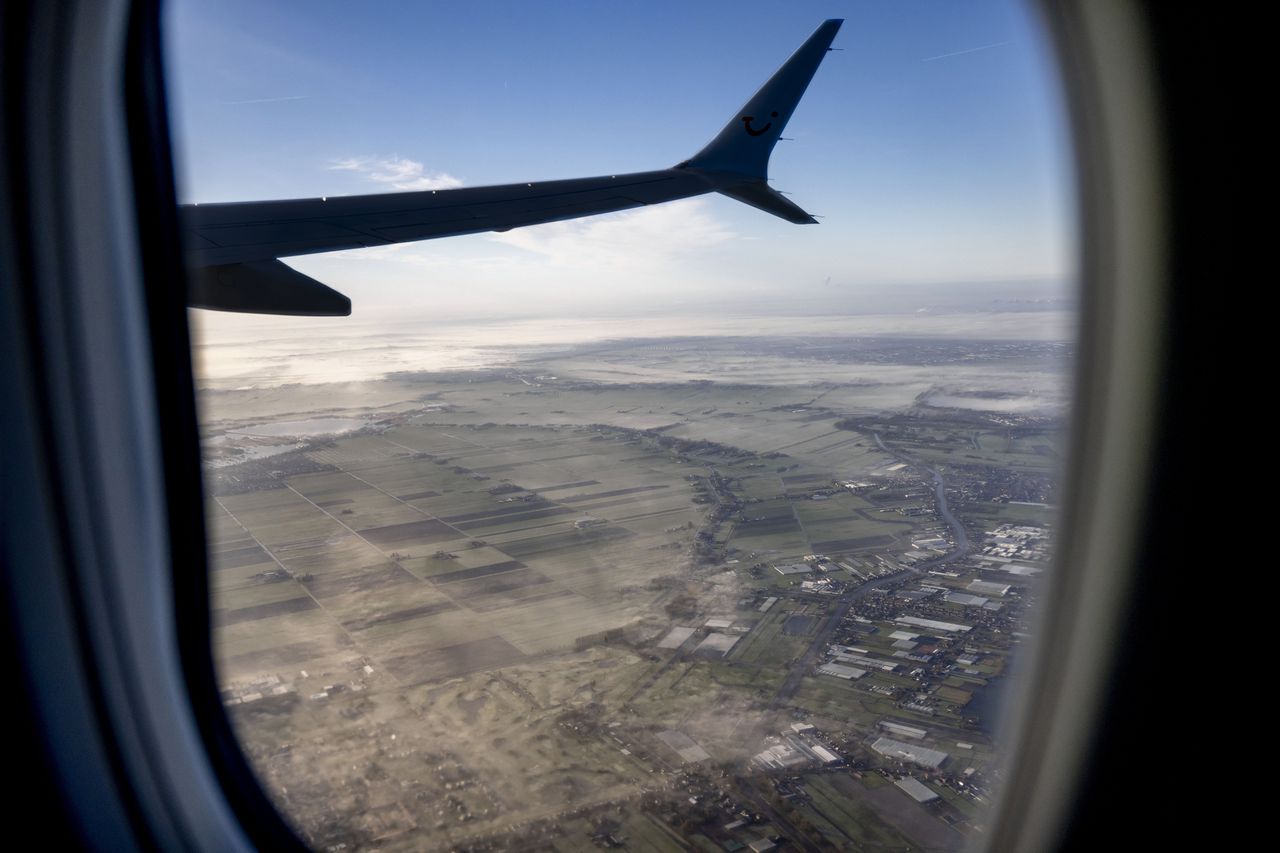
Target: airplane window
(634, 510)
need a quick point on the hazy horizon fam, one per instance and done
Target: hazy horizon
(238, 350)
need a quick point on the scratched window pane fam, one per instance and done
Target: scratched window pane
(675, 527)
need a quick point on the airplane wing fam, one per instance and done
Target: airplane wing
(233, 249)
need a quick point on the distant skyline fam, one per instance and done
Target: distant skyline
(931, 143)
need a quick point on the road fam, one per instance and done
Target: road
(818, 647)
(961, 549)
(764, 807)
(806, 662)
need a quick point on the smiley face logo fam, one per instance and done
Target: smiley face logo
(746, 121)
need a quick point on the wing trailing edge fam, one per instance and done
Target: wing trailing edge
(761, 196)
(263, 287)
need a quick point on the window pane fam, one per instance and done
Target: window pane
(676, 527)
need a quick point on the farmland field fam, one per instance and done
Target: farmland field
(444, 624)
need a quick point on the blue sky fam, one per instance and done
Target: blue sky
(932, 143)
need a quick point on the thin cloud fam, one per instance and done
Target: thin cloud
(651, 256)
(266, 100)
(963, 52)
(397, 172)
(648, 235)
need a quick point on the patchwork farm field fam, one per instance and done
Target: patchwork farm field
(505, 606)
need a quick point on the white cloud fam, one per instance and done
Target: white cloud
(630, 260)
(648, 236)
(398, 172)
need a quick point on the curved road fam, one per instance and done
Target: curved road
(818, 647)
(940, 495)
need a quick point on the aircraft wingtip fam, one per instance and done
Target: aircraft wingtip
(744, 144)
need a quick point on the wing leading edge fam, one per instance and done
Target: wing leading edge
(234, 248)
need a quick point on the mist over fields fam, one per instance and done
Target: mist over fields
(244, 351)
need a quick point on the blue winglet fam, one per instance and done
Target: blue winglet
(743, 147)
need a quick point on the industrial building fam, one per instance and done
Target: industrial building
(916, 754)
(839, 670)
(902, 730)
(916, 789)
(934, 624)
(869, 663)
(780, 756)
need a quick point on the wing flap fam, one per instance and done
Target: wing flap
(263, 287)
(763, 197)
